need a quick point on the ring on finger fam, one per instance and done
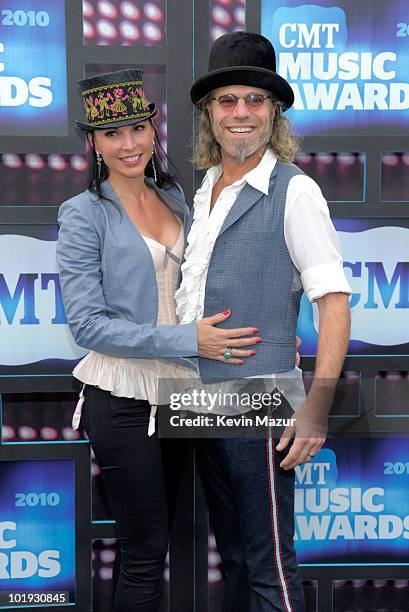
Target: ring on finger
(228, 353)
(310, 455)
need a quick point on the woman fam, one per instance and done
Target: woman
(119, 251)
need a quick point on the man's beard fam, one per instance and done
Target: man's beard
(242, 149)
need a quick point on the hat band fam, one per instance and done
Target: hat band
(112, 103)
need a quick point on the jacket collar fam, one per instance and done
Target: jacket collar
(164, 194)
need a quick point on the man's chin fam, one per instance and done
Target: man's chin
(241, 158)
(242, 152)
(241, 155)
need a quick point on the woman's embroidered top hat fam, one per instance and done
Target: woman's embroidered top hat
(243, 58)
(114, 99)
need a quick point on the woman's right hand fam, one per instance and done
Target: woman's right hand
(214, 341)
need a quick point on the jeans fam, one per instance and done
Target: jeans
(141, 475)
(251, 504)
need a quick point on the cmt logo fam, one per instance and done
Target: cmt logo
(309, 27)
(25, 293)
(300, 35)
(397, 285)
(380, 289)
(321, 472)
(33, 326)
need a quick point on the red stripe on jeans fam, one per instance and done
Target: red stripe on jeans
(275, 528)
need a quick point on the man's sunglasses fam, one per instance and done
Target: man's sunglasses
(252, 100)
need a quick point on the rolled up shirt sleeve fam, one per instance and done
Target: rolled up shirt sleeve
(312, 240)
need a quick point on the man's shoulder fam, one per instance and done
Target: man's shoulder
(288, 169)
(284, 174)
(297, 179)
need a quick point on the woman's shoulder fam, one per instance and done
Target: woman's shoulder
(82, 210)
(85, 204)
(81, 200)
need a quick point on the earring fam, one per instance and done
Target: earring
(155, 173)
(99, 163)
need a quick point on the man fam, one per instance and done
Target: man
(260, 234)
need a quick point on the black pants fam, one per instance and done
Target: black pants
(141, 475)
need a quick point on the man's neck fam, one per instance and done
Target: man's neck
(233, 170)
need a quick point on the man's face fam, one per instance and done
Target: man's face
(242, 130)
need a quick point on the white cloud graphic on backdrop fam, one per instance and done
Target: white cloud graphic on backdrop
(21, 344)
(384, 325)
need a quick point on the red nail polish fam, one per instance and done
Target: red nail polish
(241, 362)
(255, 330)
(259, 340)
(226, 312)
(252, 353)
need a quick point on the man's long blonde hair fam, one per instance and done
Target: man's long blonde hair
(206, 151)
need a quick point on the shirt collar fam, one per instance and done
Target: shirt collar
(259, 177)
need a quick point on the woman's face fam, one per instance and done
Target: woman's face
(126, 150)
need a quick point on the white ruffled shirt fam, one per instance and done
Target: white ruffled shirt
(311, 240)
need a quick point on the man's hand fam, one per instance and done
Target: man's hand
(309, 432)
(311, 420)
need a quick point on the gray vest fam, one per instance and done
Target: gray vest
(250, 272)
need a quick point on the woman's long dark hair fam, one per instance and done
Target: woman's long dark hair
(164, 179)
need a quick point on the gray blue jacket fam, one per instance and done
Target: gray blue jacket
(109, 284)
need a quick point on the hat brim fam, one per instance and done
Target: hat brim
(89, 127)
(244, 75)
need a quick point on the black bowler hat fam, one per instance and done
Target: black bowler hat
(243, 58)
(114, 99)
